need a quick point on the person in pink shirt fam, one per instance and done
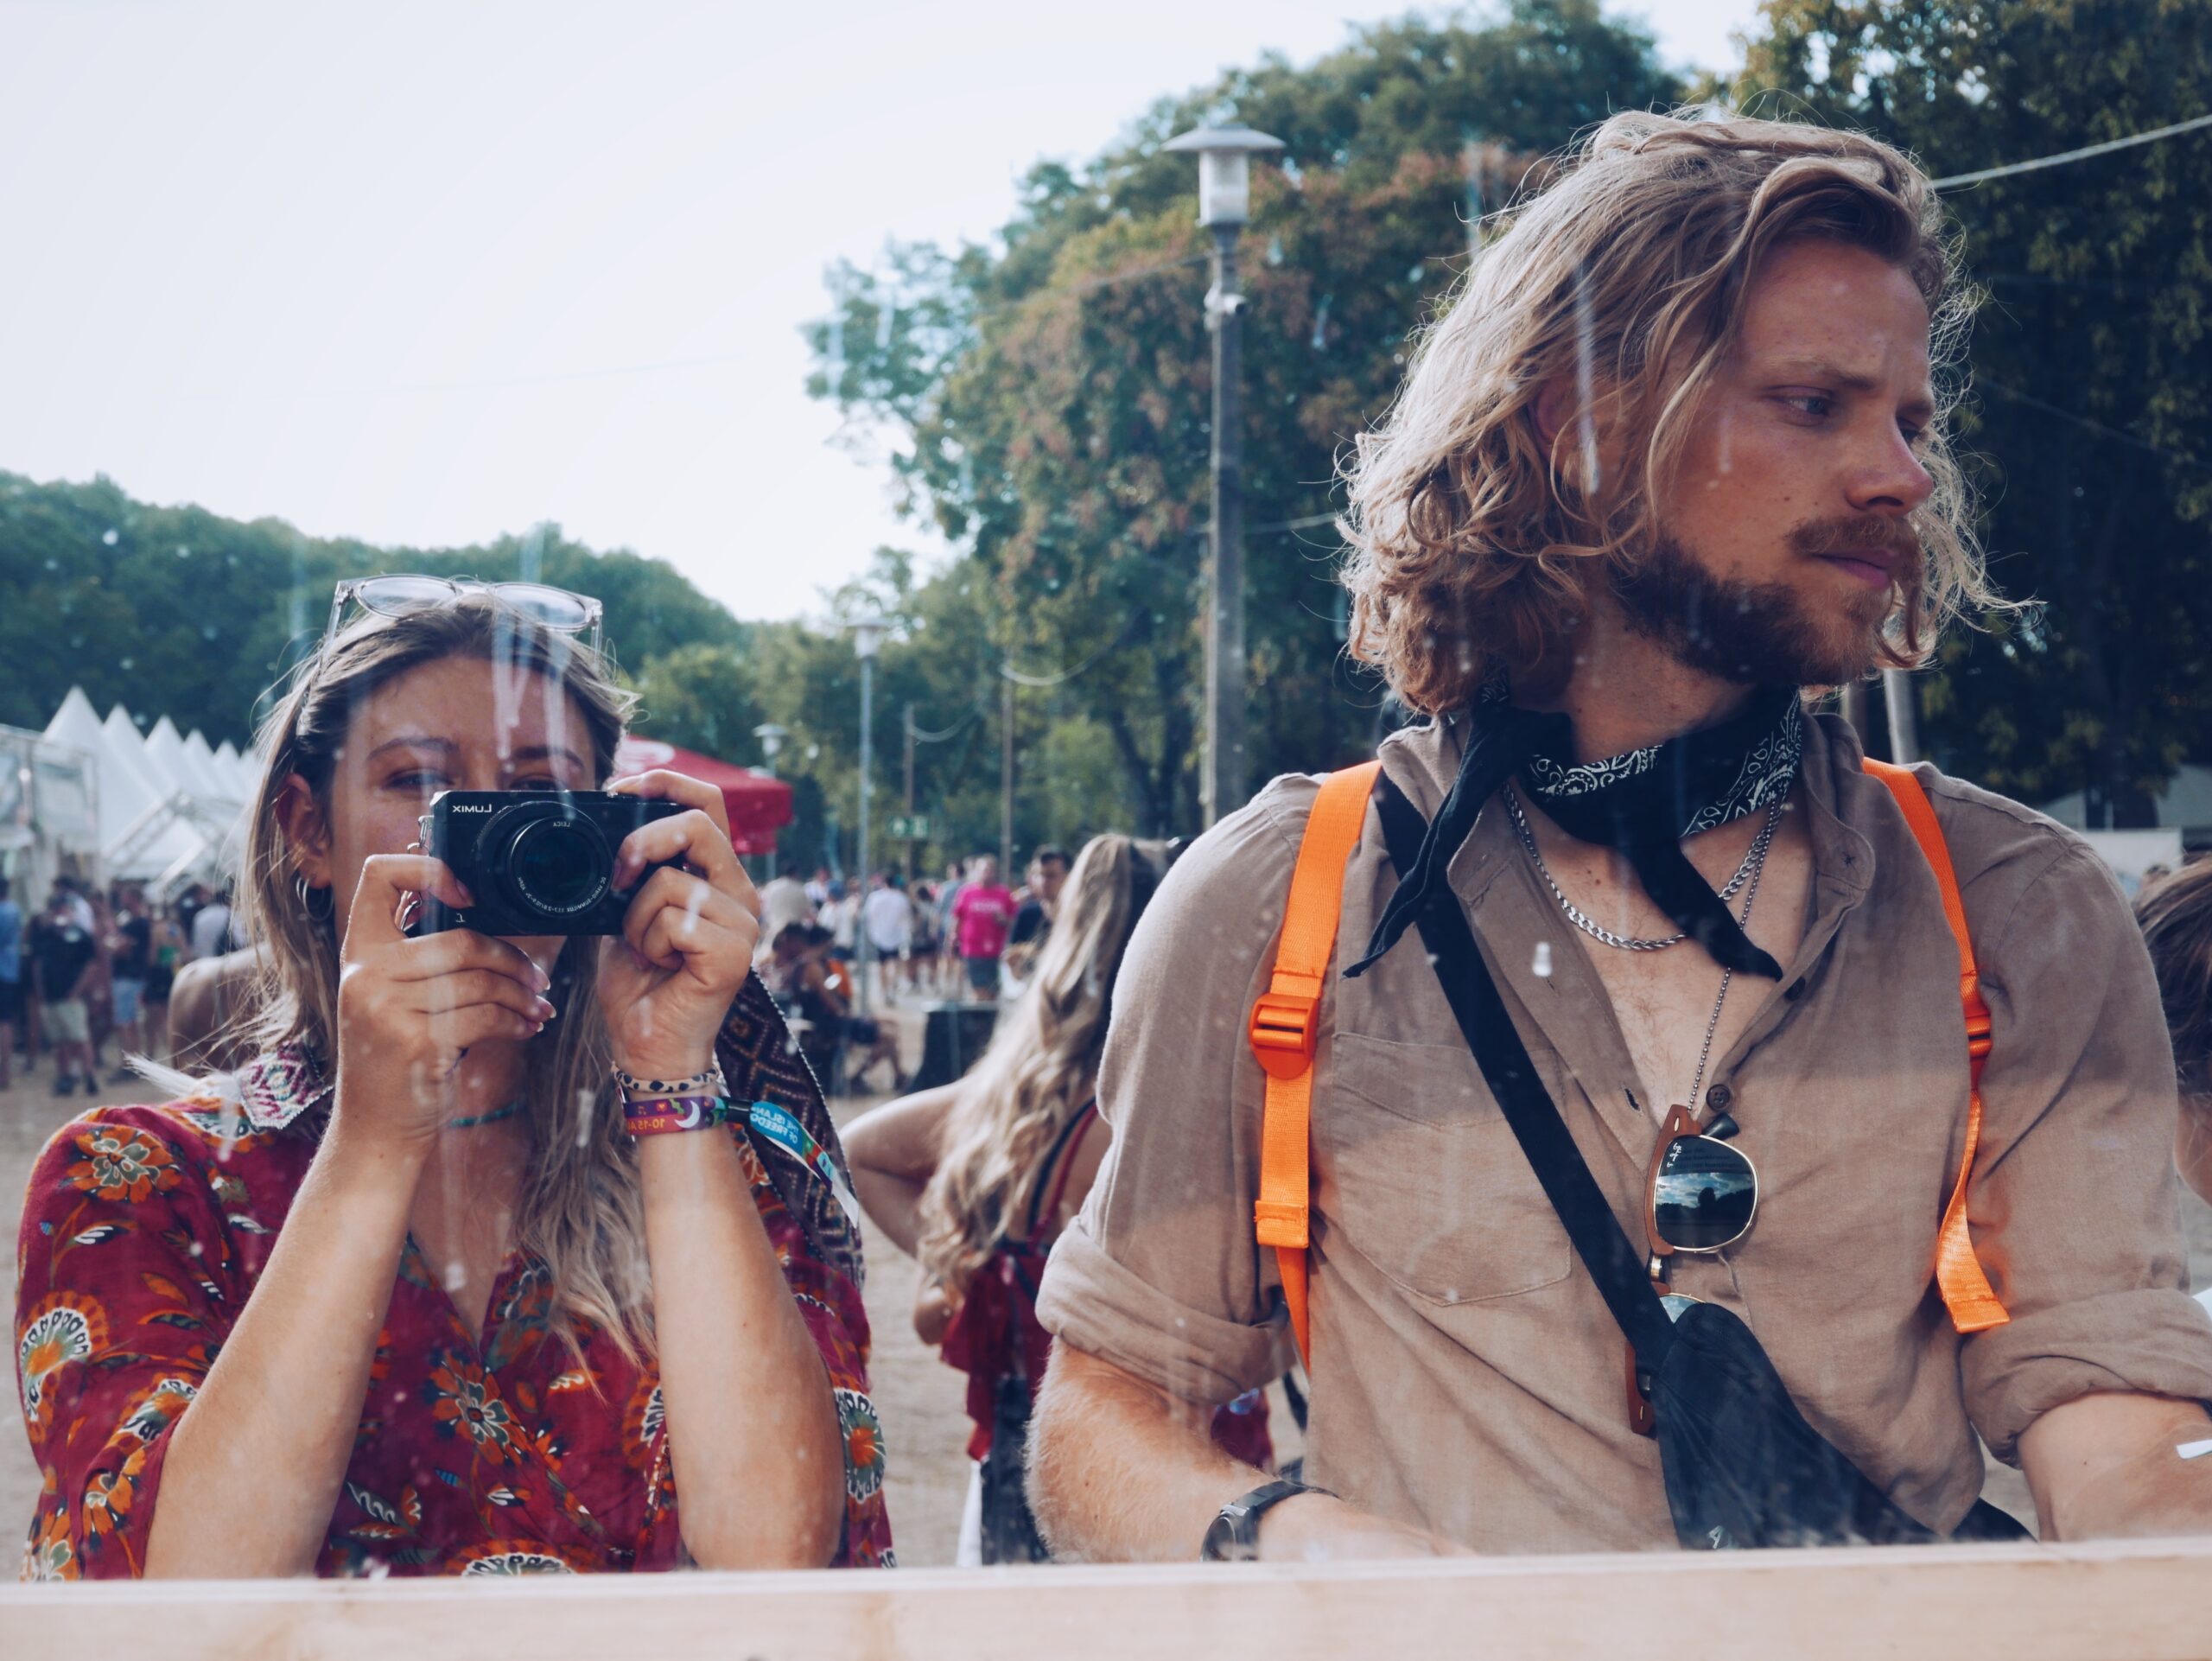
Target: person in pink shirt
(980, 918)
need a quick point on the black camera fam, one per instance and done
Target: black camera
(539, 862)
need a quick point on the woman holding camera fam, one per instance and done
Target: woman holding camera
(505, 1255)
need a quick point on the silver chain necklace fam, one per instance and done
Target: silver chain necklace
(1752, 868)
(1746, 872)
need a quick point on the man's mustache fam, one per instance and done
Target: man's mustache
(1893, 541)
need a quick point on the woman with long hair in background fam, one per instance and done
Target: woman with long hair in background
(501, 1254)
(976, 1179)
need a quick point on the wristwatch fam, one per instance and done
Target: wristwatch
(1234, 1535)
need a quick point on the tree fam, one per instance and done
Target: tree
(180, 612)
(1049, 394)
(2091, 364)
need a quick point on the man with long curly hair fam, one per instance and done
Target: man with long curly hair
(1674, 464)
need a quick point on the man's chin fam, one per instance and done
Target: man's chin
(1753, 633)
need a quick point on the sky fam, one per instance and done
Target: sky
(423, 274)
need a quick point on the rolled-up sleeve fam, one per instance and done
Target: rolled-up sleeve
(2074, 1201)
(1161, 1273)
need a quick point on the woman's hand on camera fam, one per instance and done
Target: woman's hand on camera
(408, 1009)
(687, 937)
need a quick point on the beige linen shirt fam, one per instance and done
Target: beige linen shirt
(1466, 1376)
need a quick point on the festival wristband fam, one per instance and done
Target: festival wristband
(667, 1115)
(780, 1128)
(706, 1082)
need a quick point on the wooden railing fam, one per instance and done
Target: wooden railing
(2133, 1601)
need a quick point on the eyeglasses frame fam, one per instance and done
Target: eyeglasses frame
(593, 626)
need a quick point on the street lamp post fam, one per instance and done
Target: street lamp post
(772, 739)
(1224, 206)
(868, 637)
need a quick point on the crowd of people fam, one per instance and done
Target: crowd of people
(86, 980)
(1755, 1137)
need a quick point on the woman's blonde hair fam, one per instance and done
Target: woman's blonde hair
(580, 1213)
(1041, 1067)
(1472, 545)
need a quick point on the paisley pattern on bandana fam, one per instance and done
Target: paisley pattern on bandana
(1768, 769)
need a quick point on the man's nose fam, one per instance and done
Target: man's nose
(1889, 477)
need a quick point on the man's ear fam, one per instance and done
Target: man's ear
(307, 832)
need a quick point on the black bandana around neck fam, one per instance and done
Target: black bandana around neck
(1643, 803)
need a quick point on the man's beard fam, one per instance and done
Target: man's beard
(1750, 634)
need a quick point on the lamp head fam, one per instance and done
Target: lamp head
(1225, 169)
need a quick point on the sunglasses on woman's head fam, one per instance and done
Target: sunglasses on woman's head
(403, 595)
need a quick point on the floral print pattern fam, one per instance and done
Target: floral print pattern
(511, 1452)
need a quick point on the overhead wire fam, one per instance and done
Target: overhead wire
(2008, 168)
(2099, 426)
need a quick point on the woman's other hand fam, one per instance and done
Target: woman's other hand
(666, 985)
(408, 1009)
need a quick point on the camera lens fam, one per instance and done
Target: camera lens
(558, 865)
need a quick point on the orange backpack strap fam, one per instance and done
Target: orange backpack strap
(1966, 1290)
(1286, 1019)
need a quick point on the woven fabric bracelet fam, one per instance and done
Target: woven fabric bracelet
(708, 1083)
(666, 1115)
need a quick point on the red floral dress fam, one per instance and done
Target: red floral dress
(143, 1232)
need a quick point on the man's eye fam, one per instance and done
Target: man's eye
(1811, 403)
(417, 779)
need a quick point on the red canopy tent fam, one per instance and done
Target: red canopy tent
(759, 805)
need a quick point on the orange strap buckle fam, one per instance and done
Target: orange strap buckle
(1282, 1032)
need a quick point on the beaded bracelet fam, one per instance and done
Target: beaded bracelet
(665, 1115)
(707, 1082)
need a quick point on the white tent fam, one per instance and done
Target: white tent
(226, 759)
(128, 745)
(159, 818)
(165, 755)
(214, 785)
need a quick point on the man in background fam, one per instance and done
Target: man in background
(887, 917)
(131, 959)
(64, 955)
(1039, 902)
(983, 914)
(212, 935)
(11, 979)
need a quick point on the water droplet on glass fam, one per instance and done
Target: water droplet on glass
(112, 538)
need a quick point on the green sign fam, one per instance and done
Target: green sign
(909, 827)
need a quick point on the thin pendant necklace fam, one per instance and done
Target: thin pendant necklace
(470, 1121)
(1754, 860)
(1728, 976)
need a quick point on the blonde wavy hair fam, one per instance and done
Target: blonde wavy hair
(1470, 544)
(580, 1212)
(1041, 1067)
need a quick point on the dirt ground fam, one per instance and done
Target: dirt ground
(919, 1398)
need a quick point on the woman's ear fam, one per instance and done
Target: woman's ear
(307, 832)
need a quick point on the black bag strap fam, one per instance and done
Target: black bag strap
(1605, 1249)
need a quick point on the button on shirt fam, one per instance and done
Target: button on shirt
(1466, 1376)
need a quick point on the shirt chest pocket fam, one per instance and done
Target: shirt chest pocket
(1420, 1173)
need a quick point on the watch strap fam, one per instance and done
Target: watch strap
(1234, 1535)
